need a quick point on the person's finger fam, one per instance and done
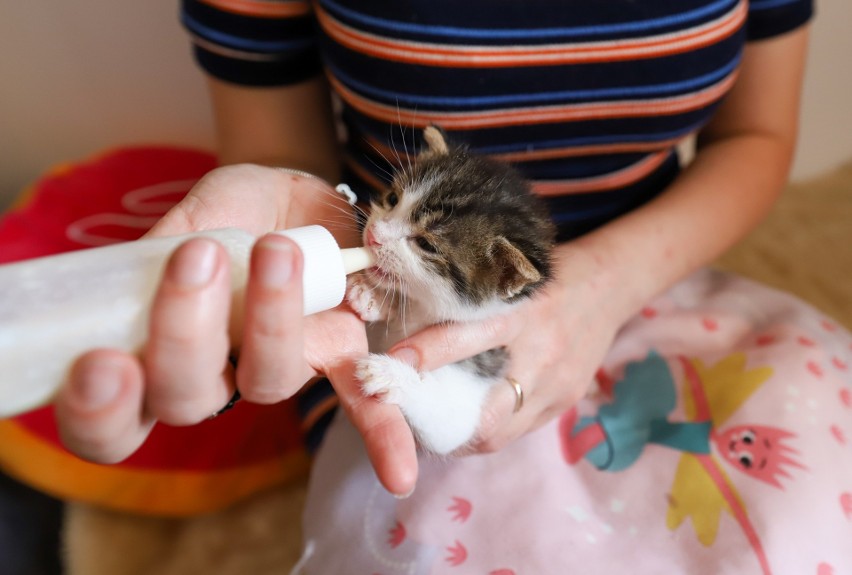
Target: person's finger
(271, 366)
(505, 418)
(187, 350)
(499, 423)
(99, 410)
(387, 437)
(443, 344)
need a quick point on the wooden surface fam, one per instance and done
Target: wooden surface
(805, 245)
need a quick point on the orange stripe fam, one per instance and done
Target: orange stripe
(483, 57)
(146, 492)
(262, 9)
(615, 180)
(390, 155)
(591, 150)
(536, 115)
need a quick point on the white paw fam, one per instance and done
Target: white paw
(363, 299)
(386, 378)
(442, 407)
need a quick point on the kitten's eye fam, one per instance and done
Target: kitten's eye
(392, 199)
(747, 437)
(745, 460)
(425, 245)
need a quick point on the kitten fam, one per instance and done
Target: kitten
(457, 237)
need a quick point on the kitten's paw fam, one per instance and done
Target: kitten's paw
(364, 300)
(386, 378)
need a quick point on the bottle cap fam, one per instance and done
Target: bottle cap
(324, 277)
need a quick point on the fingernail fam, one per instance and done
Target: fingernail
(98, 384)
(275, 267)
(407, 355)
(194, 264)
(403, 495)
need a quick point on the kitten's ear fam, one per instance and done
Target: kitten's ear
(514, 269)
(436, 142)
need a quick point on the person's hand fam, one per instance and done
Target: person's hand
(556, 341)
(112, 399)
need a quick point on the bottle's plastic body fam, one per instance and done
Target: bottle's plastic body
(55, 308)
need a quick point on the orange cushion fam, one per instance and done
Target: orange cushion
(111, 198)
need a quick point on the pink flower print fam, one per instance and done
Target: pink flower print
(764, 340)
(846, 397)
(846, 504)
(825, 569)
(461, 509)
(839, 364)
(814, 368)
(710, 324)
(396, 535)
(828, 326)
(838, 434)
(502, 572)
(458, 554)
(805, 341)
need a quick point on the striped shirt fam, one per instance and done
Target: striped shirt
(588, 99)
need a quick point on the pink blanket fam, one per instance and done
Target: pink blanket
(721, 442)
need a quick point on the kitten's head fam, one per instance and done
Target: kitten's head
(459, 232)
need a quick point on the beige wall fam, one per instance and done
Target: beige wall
(78, 77)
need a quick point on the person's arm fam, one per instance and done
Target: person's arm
(558, 340)
(112, 398)
(288, 126)
(741, 165)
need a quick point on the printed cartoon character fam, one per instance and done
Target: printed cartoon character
(758, 451)
(614, 439)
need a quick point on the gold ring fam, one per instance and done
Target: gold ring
(519, 394)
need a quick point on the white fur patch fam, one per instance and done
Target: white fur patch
(443, 407)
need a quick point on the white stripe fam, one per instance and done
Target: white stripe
(231, 53)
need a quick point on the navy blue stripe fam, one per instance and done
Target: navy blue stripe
(312, 395)
(361, 125)
(589, 141)
(598, 211)
(246, 44)
(769, 4)
(454, 32)
(563, 96)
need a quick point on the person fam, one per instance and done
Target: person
(588, 101)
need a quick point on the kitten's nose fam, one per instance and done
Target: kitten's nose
(371, 239)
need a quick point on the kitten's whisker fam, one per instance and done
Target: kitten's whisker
(348, 212)
(403, 306)
(413, 141)
(402, 135)
(387, 174)
(338, 225)
(392, 143)
(386, 159)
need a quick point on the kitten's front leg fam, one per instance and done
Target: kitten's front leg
(442, 407)
(371, 303)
